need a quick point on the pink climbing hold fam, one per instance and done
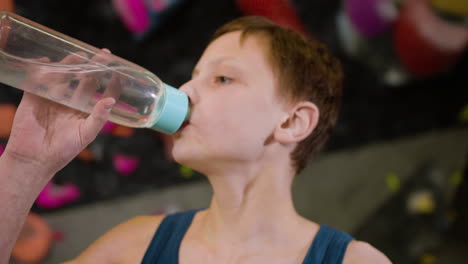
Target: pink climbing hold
(134, 15)
(55, 196)
(108, 127)
(371, 17)
(125, 164)
(58, 236)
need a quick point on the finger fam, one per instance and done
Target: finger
(59, 78)
(35, 71)
(95, 121)
(88, 83)
(114, 86)
(84, 92)
(35, 67)
(42, 59)
(75, 58)
(103, 57)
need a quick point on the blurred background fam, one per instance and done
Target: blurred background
(393, 173)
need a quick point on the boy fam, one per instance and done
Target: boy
(263, 101)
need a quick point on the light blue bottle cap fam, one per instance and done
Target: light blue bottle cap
(175, 110)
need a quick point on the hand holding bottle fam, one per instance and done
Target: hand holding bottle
(48, 135)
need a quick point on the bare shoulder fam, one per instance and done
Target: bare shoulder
(363, 253)
(126, 240)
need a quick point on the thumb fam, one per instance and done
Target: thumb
(95, 121)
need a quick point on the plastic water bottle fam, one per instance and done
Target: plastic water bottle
(44, 62)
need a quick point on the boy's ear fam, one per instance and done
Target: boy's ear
(298, 123)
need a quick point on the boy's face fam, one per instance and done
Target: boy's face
(234, 106)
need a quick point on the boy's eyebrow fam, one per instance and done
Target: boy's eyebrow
(230, 61)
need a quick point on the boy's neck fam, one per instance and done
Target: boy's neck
(244, 204)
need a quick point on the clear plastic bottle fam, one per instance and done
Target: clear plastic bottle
(47, 63)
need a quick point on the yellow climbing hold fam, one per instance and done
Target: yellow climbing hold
(421, 202)
(453, 7)
(428, 259)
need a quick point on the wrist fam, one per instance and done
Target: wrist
(20, 184)
(24, 171)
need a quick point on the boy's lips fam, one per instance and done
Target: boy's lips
(184, 124)
(181, 128)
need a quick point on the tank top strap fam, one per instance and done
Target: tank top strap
(328, 247)
(164, 247)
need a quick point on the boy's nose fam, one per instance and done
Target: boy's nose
(188, 88)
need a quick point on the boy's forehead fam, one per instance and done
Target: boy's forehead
(242, 40)
(252, 46)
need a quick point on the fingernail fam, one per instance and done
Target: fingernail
(108, 107)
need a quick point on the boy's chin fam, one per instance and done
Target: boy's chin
(182, 156)
(192, 164)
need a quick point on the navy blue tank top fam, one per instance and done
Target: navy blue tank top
(328, 247)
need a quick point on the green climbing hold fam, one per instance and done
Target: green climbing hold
(186, 172)
(463, 116)
(393, 182)
(456, 178)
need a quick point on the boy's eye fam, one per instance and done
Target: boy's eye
(223, 79)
